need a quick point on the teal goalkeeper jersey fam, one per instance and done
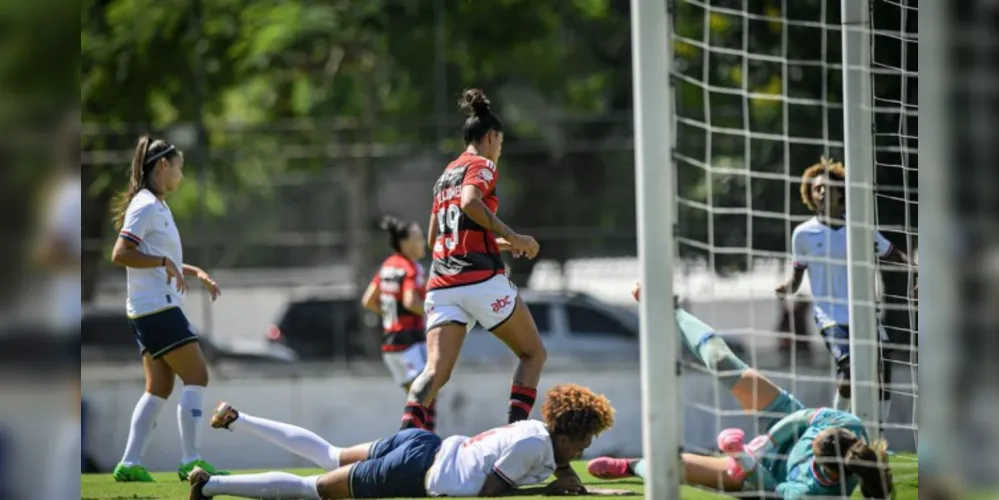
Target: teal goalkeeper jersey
(798, 476)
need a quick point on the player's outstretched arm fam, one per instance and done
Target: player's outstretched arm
(799, 264)
(534, 491)
(890, 253)
(566, 482)
(496, 486)
(793, 284)
(786, 430)
(206, 279)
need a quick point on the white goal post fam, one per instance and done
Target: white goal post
(661, 415)
(860, 222)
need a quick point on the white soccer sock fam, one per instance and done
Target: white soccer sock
(267, 485)
(189, 420)
(140, 430)
(841, 403)
(293, 438)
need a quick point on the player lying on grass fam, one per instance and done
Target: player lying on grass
(417, 463)
(805, 451)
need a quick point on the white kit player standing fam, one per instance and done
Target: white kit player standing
(150, 249)
(819, 248)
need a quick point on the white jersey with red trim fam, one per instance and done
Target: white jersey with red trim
(149, 224)
(520, 453)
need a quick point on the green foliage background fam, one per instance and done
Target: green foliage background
(255, 76)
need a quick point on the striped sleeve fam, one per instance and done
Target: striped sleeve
(137, 223)
(882, 246)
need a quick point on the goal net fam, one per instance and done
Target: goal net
(758, 96)
(894, 56)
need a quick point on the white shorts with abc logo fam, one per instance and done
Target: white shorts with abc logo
(407, 364)
(489, 303)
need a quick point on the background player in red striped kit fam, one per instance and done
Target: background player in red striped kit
(396, 293)
(468, 282)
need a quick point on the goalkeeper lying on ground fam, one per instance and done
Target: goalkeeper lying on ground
(806, 451)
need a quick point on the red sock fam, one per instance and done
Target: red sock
(414, 416)
(521, 402)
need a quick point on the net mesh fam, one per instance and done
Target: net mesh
(894, 44)
(758, 92)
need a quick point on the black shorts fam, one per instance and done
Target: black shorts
(396, 466)
(162, 332)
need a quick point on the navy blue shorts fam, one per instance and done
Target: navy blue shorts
(162, 332)
(396, 466)
(837, 339)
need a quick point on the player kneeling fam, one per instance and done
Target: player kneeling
(417, 463)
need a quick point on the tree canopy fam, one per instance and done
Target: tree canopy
(268, 89)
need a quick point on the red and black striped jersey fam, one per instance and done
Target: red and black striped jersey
(402, 327)
(465, 253)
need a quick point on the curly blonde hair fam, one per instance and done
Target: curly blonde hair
(833, 170)
(575, 411)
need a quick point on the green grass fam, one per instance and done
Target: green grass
(103, 487)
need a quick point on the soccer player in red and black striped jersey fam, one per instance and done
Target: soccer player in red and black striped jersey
(468, 282)
(396, 293)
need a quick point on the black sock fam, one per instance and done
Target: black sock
(431, 424)
(414, 416)
(521, 402)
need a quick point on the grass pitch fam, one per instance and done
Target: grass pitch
(103, 487)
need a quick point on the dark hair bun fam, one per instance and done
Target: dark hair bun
(474, 103)
(389, 223)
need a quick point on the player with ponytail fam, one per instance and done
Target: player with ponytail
(149, 248)
(805, 451)
(396, 294)
(468, 282)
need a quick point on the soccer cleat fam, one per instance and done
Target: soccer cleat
(608, 468)
(132, 474)
(185, 470)
(223, 416)
(197, 478)
(732, 441)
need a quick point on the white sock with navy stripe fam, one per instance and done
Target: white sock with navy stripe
(189, 420)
